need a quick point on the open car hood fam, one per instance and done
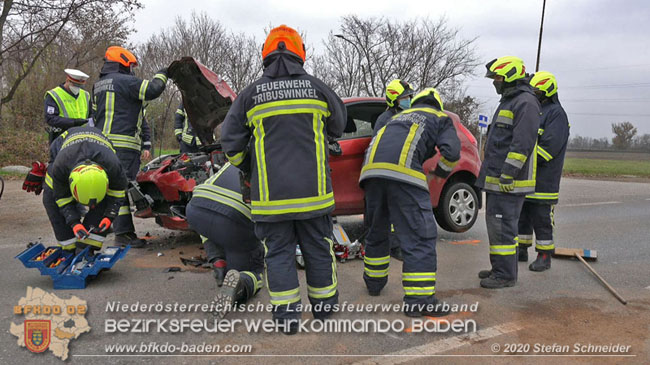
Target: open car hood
(206, 96)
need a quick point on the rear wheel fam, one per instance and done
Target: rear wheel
(458, 208)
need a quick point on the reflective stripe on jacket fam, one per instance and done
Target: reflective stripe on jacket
(551, 149)
(277, 130)
(511, 140)
(222, 193)
(183, 128)
(400, 148)
(118, 98)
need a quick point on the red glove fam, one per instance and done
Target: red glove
(104, 225)
(34, 180)
(80, 231)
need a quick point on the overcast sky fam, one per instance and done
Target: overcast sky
(598, 50)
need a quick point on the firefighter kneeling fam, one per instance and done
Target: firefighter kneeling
(396, 191)
(223, 220)
(83, 169)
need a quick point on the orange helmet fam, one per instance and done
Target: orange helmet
(120, 55)
(283, 39)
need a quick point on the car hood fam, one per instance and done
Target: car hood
(206, 96)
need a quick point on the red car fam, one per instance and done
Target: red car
(165, 185)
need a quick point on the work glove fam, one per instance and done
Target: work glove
(80, 231)
(162, 71)
(34, 179)
(104, 225)
(506, 183)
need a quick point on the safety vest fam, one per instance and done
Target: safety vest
(187, 134)
(70, 106)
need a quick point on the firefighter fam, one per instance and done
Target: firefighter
(538, 211)
(396, 190)
(223, 220)
(118, 98)
(277, 132)
(508, 170)
(83, 169)
(398, 98)
(67, 105)
(185, 135)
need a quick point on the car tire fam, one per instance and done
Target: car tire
(458, 207)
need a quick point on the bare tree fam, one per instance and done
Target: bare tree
(369, 52)
(624, 134)
(29, 29)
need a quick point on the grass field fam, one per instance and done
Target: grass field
(596, 167)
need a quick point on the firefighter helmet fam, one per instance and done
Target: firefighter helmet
(284, 39)
(121, 56)
(397, 89)
(88, 183)
(544, 81)
(510, 67)
(430, 96)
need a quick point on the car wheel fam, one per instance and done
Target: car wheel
(458, 208)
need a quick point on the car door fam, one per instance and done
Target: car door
(346, 168)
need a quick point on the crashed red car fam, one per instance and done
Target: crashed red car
(165, 185)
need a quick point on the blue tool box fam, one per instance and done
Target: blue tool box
(72, 272)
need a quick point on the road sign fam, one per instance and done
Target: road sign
(482, 121)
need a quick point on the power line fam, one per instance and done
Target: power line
(611, 114)
(610, 86)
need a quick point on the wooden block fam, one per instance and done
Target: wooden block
(588, 254)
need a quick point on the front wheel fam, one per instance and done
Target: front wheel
(458, 208)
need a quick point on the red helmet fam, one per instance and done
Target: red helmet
(121, 56)
(284, 39)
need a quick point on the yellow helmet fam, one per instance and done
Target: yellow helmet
(88, 183)
(510, 67)
(397, 89)
(545, 82)
(430, 96)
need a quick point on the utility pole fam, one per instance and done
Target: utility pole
(541, 29)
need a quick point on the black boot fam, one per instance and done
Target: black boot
(219, 271)
(542, 263)
(523, 253)
(484, 274)
(235, 289)
(396, 253)
(289, 326)
(130, 239)
(492, 282)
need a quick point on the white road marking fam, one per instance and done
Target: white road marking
(589, 204)
(439, 347)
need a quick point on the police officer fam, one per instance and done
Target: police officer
(118, 97)
(185, 135)
(508, 170)
(398, 98)
(83, 169)
(223, 220)
(278, 129)
(538, 211)
(396, 190)
(67, 105)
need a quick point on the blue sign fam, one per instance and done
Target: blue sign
(482, 121)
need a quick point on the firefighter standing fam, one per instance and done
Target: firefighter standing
(83, 169)
(538, 211)
(289, 115)
(508, 170)
(223, 220)
(185, 135)
(67, 105)
(396, 190)
(118, 97)
(398, 98)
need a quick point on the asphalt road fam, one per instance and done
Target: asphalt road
(563, 306)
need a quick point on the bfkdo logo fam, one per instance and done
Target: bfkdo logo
(38, 333)
(49, 323)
